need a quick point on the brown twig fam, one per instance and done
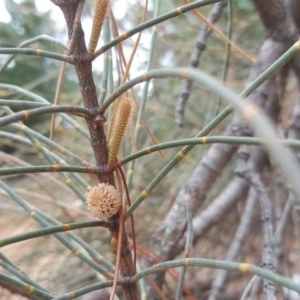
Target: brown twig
(83, 68)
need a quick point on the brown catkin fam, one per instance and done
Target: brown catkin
(104, 201)
(123, 113)
(101, 8)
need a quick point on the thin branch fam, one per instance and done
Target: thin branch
(249, 286)
(174, 13)
(51, 230)
(37, 98)
(42, 139)
(83, 68)
(264, 69)
(200, 46)
(220, 264)
(42, 219)
(22, 277)
(37, 52)
(26, 114)
(52, 160)
(188, 243)
(47, 168)
(15, 286)
(292, 143)
(236, 244)
(42, 37)
(268, 251)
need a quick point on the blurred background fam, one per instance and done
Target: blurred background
(44, 259)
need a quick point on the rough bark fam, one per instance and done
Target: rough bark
(200, 46)
(294, 8)
(83, 67)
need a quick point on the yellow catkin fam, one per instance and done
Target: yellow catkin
(123, 113)
(101, 8)
(113, 119)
